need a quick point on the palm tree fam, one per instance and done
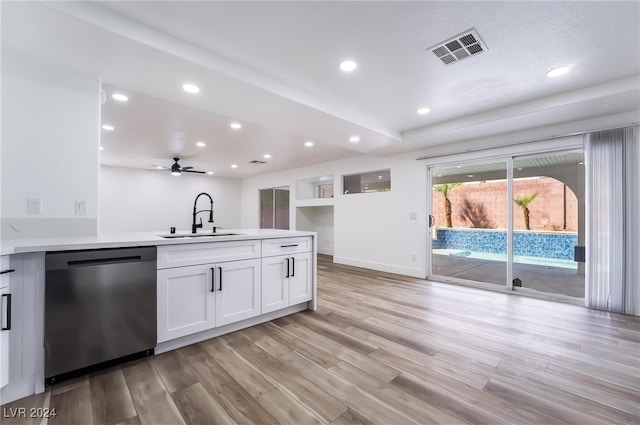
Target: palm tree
(445, 189)
(523, 202)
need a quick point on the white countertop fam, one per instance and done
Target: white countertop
(130, 239)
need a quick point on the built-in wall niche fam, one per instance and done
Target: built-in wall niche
(320, 187)
(317, 219)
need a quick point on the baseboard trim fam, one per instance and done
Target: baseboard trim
(388, 268)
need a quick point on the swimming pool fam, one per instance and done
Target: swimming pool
(501, 256)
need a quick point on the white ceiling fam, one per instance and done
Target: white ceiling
(274, 67)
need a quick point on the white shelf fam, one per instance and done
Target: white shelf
(317, 202)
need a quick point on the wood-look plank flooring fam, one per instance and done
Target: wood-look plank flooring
(381, 349)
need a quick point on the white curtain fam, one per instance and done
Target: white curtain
(613, 212)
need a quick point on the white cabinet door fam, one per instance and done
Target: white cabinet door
(275, 285)
(300, 280)
(238, 291)
(186, 301)
(5, 322)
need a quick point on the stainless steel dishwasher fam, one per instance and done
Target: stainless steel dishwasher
(100, 305)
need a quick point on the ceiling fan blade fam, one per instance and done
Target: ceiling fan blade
(193, 171)
(186, 168)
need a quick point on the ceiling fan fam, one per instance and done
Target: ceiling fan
(177, 170)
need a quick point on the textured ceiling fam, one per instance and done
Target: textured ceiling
(274, 67)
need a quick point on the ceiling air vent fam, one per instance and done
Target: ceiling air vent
(255, 161)
(463, 46)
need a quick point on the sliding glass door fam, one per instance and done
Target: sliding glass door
(548, 223)
(274, 208)
(469, 221)
(517, 222)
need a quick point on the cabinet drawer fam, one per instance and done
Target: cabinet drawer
(284, 246)
(206, 253)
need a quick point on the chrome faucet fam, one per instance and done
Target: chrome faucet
(194, 226)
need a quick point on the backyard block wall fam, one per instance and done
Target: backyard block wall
(554, 209)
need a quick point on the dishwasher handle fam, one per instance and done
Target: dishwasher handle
(98, 257)
(103, 261)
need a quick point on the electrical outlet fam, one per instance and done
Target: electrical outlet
(413, 257)
(413, 216)
(34, 205)
(81, 207)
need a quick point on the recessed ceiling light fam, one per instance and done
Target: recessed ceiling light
(266, 156)
(101, 148)
(348, 65)
(210, 173)
(234, 165)
(107, 127)
(423, 111)
(556, 72)
(439, 175)
(458, 166)
(235, 125)
(201, 144)
(190, 88)
(120, 97)
(580, 163)
(519, 168)
(159, 167)
(308, 143)
(469, 175)
(379, 177)
(354, 139)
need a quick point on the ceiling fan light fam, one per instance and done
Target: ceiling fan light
(176, 173)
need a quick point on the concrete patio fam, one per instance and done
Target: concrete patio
(541, 278)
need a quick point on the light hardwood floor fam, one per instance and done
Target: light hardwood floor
(382, 349)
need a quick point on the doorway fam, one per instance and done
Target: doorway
(515, 222)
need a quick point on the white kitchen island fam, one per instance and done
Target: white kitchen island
(207, 286)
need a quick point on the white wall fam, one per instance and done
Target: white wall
(50, 139)
(370, 230)
(318, 219)
(140, 200)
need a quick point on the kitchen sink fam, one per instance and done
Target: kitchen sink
(198, 235)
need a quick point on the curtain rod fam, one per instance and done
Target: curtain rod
(421, 158)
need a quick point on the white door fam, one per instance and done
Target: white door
(275, 284)
(238, 291)
(300, 289)
(186, 301)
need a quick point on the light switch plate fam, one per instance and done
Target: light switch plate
(34, 205)
(81, 207)
(413, 216)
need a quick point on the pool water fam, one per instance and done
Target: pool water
(522, 259)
